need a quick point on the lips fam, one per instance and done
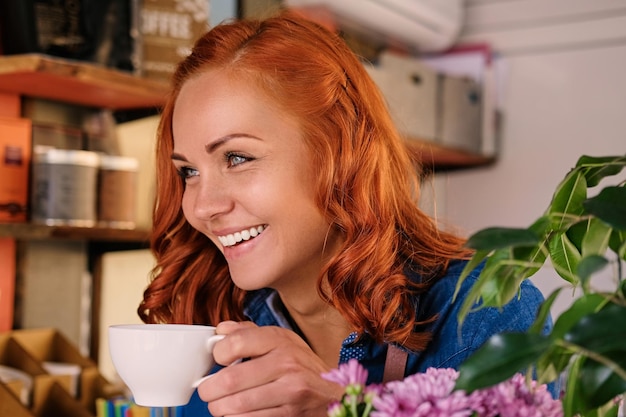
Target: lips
(234, 238)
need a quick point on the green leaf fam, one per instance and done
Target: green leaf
(602, 331)
(617, 243)
(582, 306)
(475, 260)
(500, 358)
(498, 282)
(609, 206)
(596, 240)
(494, 238)
(572, 399)
(552, 363)
(568, 197)
(535, 255)
(577, 231)
(597, 168)
(498, 292)
(486, 275)
(544, 312)
(589, 265)
(541, 226)
(599, 384)
(565, 257)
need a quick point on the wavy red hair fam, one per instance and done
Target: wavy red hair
(367, 186)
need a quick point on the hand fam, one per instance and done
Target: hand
(282, 377)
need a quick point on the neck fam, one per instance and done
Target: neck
(321, 325)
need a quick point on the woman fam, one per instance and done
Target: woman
(287, 215)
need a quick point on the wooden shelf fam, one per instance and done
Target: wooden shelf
(28, 231)
(76, 82)
(436, 157)
(92, 85)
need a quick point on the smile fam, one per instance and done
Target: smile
(237, 237)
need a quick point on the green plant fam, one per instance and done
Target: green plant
(579, 235)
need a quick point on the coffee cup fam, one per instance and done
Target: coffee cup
(161, 363)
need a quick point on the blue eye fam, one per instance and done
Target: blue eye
(234, 159)
(187, 172)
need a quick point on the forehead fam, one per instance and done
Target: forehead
(217, 97)
(214, 104)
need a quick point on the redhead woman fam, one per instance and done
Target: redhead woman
(287, 216)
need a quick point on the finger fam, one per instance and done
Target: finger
(262, 370)
(250, 341)
(268, 412)
(296, 394)
(229, 326)
(236, 378)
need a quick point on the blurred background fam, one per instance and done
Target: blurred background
(497, 100)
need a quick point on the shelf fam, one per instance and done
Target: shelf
(89, 84)
(436, 157)
(28, 231)
(76, 82)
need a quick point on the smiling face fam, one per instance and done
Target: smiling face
(249, 184)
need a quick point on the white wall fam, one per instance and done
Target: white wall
(563, 95)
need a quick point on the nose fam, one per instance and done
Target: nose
(210, 197)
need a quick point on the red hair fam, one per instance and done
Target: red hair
(367, 186)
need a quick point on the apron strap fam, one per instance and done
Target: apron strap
(395, 364)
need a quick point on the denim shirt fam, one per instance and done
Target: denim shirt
(448, 348)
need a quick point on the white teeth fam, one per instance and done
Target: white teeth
(234, 238)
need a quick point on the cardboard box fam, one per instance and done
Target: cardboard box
(13, 355)
(410, 90)
(460, 123)
(10, 405)
(53, 401)
(168, 29)
(27, 350)
(50, 345)
(15, 155)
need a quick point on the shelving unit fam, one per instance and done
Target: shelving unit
(75, 82)
(435, 157)
(86, 84)
(27, 231)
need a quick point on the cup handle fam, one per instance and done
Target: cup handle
(197, 382)
(211, 341)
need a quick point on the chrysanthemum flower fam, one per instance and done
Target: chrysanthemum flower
(432, 394)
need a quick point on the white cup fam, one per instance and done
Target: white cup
(161, 363)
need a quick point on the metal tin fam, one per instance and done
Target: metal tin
(64, 187)
(117, 191)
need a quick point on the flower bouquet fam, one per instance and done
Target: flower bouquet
(433, 394)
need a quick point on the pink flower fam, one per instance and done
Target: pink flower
(426, 394)
(335, 409)
(348, 374)
(432, 394)
(517, 398)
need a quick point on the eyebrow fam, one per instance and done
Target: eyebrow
(211, 147)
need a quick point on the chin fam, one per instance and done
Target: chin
(248, 285)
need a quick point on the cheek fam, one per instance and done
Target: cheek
(187, 207)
